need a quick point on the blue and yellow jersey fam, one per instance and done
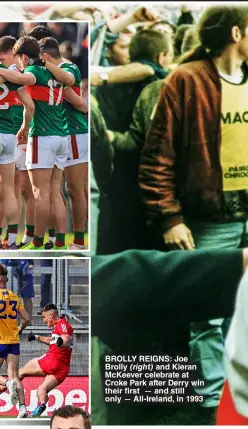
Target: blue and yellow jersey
(10, 305)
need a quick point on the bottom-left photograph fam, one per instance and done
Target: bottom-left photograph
(44, 338)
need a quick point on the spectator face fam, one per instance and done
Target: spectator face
(76, 422)
(7, 58)
(243, 45)
(166, 59)
(118, 54)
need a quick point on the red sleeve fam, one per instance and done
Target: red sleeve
(63, 328)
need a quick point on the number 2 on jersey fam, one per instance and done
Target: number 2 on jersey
(4, 94)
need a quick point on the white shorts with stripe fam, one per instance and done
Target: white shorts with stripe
(21, 160)
(78, 149)
(46, 152)
(9, 150)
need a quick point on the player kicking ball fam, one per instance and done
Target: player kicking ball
(55, 364)
(10, 307)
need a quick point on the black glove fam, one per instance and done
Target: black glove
(59, 342)
(31, 337)
(36, 62)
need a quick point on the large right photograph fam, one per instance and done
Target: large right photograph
(169, 211)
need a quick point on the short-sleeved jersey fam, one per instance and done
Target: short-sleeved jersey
(8, 96)
(74, 122)
(10, 305)
(47, 95)
(62, 354)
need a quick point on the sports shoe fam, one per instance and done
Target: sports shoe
(23, 413)
(12, 387)
(12, 246)
(74, 246)
(30, 246)
(49, 245)
(38, 411)
(22, 245)
(60, 248)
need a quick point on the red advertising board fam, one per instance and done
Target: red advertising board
(73, 391)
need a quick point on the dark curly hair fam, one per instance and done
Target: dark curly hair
(70, 411)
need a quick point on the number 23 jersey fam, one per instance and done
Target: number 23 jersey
(10, 305)
(47, 95)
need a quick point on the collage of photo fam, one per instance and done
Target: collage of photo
(123, 214)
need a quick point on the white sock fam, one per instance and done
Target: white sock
(52, 239)
(7, 383)
(12, 238)
(26, 239)
(23, 407)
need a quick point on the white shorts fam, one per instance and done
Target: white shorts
(46, 152)
(9, 150)
(20, 161)
(78, 149)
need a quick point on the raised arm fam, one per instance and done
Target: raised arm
(134, 72)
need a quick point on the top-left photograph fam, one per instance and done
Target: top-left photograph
(44, 144)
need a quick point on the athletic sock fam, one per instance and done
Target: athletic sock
(28, 234)
(38, 241)
(7, 383)
(51, 233)
(12, 234)
(60, 240)
(78, 238)
(41, 403)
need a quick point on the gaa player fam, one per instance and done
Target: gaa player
(47, 148)
(10, 307)
(76, 167)
(55, 364)
(21, 175)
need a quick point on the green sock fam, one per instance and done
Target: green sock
(60, 240)
(13, 229)
(78, 238)
(38, 241)
(29, 230)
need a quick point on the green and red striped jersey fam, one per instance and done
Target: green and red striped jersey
(8, 96)
(74, 122)
(47, 95)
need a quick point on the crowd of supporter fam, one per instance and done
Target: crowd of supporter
(157, 118)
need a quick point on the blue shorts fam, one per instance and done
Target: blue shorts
(9, 349)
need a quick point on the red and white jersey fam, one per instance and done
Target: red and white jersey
(61, 353)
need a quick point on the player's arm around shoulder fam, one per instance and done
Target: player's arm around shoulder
(26, 78)
(64, 77)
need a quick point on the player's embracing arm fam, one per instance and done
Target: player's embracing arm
(78, 102)
(17, 77)
(64, 77)
(25, 319)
